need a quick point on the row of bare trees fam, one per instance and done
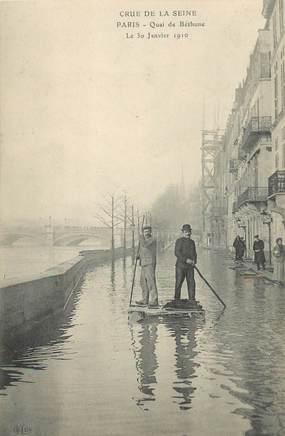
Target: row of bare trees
(117, 211)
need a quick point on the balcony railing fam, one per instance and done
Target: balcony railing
(257, 126)
(252, 195)
(276, 183)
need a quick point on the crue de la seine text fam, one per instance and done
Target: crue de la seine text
(159, 24)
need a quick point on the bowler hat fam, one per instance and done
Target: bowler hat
(146, 228)
(186, 227)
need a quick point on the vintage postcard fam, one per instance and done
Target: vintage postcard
(142, 224)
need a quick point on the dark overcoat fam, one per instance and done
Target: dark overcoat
(185, 249)
(259, 255)
(240, 247)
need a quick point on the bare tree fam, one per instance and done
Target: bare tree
(127, 217)
(114, 211)
(107, 215)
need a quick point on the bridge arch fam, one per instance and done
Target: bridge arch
(77, 238)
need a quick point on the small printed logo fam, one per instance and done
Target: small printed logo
(22, 428)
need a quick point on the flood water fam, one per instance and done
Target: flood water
(91, 372)
(19, 262)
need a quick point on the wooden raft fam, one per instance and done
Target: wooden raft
(144, 311)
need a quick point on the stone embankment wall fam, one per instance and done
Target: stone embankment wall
(26, 301)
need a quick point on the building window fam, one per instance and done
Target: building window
(283, 79)
(283, 147)
(276, 97)
(276, 91)
(265, 65)
(274, 31)
(276, 153)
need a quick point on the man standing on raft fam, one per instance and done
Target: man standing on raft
(185, 251)
(147, 257)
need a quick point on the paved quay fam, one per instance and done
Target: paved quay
(247, 268)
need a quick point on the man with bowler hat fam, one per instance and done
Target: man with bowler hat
(147, 257)
(185, 251)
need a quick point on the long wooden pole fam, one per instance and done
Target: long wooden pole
(207, 283)
(133, 230)
(113, 228)
(125, 225)
(135, 268)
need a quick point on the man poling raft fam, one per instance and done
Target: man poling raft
(147, 258)
(185, 252)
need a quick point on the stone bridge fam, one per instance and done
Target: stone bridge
(56, 235)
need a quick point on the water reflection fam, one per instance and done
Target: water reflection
(252, 330)
(144, 339)
(133, 256)
(230, 367)
(124, 272)
(8, 378)
(181, 351)
(183, 331)
(113, 275)
(33, 349)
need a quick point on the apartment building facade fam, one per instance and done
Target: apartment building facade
(274, 12)
(249, 149)
(245, 161)
(254, 145)
(249, 169)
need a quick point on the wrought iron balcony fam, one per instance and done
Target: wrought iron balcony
(276, 183)
(252, 195)
(256, 127)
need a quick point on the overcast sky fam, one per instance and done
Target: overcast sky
(85, 111)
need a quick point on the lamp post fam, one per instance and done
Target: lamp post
(267, 219)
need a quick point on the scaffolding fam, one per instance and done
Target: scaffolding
(211, 145)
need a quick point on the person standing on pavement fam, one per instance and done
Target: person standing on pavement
(242, 248)
(239, 246)
(279, 258)
(258, 248)
(185, 252)
(235, 245)
(147, 258)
